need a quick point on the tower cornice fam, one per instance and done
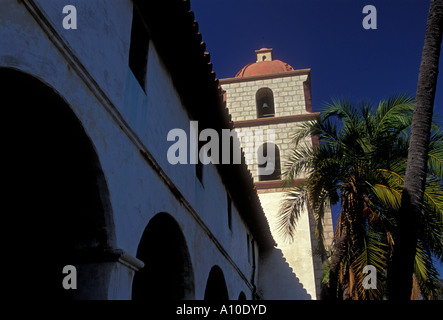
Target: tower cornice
(273, 120)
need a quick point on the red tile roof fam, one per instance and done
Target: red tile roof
(173, 30)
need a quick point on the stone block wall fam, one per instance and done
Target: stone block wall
(288, 92)
(289, 100)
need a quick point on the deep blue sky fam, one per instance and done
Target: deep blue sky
(326, 36)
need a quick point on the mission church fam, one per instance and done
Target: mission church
(86, 117)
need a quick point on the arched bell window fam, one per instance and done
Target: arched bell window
(265, 103)
(269, 167)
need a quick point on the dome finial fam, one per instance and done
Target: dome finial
(264, 54)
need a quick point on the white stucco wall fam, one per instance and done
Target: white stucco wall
(88, 68)
(298, 251)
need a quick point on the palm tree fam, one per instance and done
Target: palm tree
(415, 179)
(360, 163)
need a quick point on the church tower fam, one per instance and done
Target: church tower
(267, 100)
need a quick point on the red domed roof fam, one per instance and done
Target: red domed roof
(264, 67)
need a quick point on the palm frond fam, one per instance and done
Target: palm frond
(431, 229)
(390, 197)
(299, 163)
(435, 163)
(305, 130)
(395, 113)
(291, 208)
(344, 110)
(435, 155)
(360, 163)
(371, 252)
(425, 272)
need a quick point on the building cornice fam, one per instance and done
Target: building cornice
(266, 76)
(276, 120)
(278, 184)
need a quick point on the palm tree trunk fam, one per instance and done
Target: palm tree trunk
(334, 268)
(401, 270)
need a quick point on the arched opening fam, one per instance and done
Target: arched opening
(242, 296)
(216, 289)
(269, 166)
(54, 190)
(264, 99)
(167, 273)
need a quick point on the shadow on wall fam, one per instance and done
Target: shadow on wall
(56, 194)
(278, 281)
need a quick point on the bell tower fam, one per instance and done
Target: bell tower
(267, 100)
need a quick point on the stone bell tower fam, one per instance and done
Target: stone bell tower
(271, 96)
